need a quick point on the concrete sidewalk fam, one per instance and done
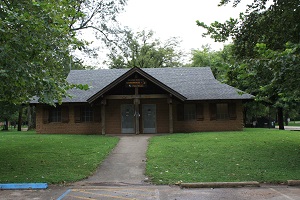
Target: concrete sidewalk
(125, 164)
(290, 128)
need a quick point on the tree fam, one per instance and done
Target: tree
(265, 42)
(142, 50)
(274, 26)
(219, 61)
(8, 113)
(36, 41)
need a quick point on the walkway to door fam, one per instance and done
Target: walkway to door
(125, 165)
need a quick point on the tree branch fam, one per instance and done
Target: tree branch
(83, 23)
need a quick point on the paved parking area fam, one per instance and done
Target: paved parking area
(125, 193)
(151, 192)
(175, 193)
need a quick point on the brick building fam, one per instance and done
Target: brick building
(141, 101)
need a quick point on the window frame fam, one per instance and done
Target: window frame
(55, 114)
(222, 111)
(230, 112)
(189, 112)
(86, 114)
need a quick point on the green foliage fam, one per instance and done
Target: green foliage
(28, 157)
(272, 76)
(262, 155)
(141, 50)
(36, 41)
(227, 29)
(282, 87)
(9, 111)
(266, 48)
(274, 25)
(219, 61)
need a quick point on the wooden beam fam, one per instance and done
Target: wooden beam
(170, 115)
(141, 96)
(136, 102)
(103, 104)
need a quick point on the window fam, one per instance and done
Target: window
(189, 112)
(55, 114)
(222, 111)
(86, 114)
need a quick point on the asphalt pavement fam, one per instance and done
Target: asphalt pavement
(151, 192)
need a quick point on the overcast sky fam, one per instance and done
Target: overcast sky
(177, 18)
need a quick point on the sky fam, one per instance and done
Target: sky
(177, 18)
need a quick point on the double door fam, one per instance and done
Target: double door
(128, 116)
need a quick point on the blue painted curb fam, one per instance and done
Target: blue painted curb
(24, 186)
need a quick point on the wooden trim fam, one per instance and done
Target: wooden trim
(170, 116)
(136, 103)
(141, 96)
(103, 104)
(142, 73)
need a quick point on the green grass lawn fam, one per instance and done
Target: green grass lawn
(31, 157)
(263, 155)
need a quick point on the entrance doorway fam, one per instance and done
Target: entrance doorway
(149, 118)
(127, 115)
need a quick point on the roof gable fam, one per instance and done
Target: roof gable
(188, 83)
(129, 73)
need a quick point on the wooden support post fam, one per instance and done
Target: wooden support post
(136, 102)
(103, 104)
(170, 115)
(137, 116)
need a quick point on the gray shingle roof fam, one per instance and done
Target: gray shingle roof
(194, 83)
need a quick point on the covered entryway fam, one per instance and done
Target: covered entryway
(133, 104)
(127, 118)
(149, 118)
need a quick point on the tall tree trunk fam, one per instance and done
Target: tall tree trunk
(20, 118)
(6, 124)
(280, 118)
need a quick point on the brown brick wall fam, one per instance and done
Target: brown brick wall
(113, 120)
(207, 124)
(65, 128)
